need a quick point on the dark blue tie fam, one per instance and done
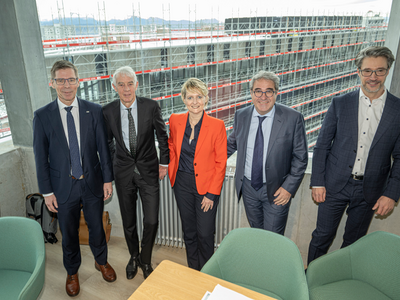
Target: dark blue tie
(73, 146)
(257, 167)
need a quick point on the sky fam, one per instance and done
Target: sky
(206, 9)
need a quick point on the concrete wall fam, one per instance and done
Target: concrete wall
(17, 178)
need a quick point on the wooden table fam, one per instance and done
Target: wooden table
(174, 281)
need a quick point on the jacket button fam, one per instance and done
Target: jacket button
(197, 175)
(195, 164)
(351, 167)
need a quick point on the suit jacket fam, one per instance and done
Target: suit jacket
(210, 156)
(287, 153)
(149, 120)
(336, 149)
(53, 166)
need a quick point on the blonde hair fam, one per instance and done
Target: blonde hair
(194, 84)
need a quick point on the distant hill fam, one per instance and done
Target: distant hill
(127, 22)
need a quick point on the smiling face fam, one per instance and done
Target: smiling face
(263, 104)
(195, 102)
(66, 93)
(373, 86)
(126, 89)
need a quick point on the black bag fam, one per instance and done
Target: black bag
(37, 210)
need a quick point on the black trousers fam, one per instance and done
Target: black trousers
(330, 213)
(198, 226)
(127, 196)
(69, 214)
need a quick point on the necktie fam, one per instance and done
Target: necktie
(257, 166)
(76, 166)
(132, 134)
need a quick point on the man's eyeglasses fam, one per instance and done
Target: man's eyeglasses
(259, 93)
(368, 73)
(61, 81)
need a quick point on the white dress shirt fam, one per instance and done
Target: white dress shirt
(369, 115)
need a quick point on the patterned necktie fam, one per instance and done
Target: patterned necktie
(257, 166)
(132, 134)
(76, 166)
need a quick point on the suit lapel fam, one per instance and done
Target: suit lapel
(203, 131)
(141, 112)
(352, 104)
(55, 120)
(390, 112)
(180, 130)
(246, 128)
(276, 127)
(116, 114)
(83, 123)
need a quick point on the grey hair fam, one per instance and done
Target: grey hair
(374, 51)
(267, 76)
(128, 71)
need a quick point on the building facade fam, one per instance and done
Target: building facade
(312, 55)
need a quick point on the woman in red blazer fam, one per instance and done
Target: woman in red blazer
(198, 153)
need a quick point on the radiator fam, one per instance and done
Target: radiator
(170, 227)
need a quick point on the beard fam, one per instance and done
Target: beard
(377, 89)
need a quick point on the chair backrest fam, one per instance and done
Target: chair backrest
(375, 259)
(22, 249)
(262, 261)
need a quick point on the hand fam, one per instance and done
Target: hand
(318, 194)
(162, 171)
(383, 206)
(107, 188)
(51, 203)
(282, 196)
(206, 204)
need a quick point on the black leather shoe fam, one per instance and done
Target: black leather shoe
(50, 238)
(131, 268)
(146, 268)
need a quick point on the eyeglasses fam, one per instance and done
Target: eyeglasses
(61, 81)
(368, 73)
(259, 93)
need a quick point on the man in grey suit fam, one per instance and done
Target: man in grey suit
(271, 146)
(352, 163)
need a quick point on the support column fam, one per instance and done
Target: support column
(22, 67)
(392, 42)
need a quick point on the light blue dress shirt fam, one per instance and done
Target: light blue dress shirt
(125, 122)
(266, 128)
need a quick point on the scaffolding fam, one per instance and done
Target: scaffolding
(312, 55)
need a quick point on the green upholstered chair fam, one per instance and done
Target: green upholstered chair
(22, 258)
(262, 261)
(367, 269)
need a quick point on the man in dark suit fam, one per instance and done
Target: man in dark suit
(69, 137)
(271, 146)
(352, 163)
(131, 122)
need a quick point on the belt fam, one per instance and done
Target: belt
(82, 176)
(357, 177)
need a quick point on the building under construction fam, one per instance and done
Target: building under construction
(312, 55)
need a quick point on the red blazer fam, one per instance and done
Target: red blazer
(210, 156)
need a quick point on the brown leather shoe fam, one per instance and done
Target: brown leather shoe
(72, 286)
(107, 271)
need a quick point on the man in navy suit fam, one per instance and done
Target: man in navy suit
(352, 164)
(74, 168)
(271, 146)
